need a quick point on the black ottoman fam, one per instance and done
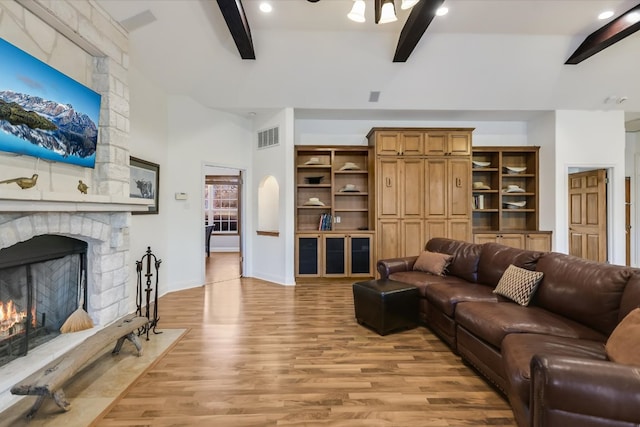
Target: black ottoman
(386, 305)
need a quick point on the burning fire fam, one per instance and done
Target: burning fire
(10, 316)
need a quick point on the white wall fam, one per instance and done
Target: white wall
(148, 109)
(591, 139)
(199, 137)
(354, 132)
(542, 132)
(274, 255)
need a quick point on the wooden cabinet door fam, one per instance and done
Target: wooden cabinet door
(334, 255)
(538, 242)
(515, 240)
(388, 232)
(388, 143)
(459, 188)
(459, 229)
(411, 143)
(459, 144)
(308, 255)
(435, 228)
(481, 238)
(388, 188)
(436, 144)
(360, 259)
(411, 188)
(435, 189)
(412, 237)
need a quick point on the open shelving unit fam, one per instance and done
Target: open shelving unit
(340, 178)
(506, 195)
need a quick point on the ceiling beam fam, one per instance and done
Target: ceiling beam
(236, 19)
(417, 23)
(621, 27)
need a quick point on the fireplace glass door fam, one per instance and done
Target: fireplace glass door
(36, 297)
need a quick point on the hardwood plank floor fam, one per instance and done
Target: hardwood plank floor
(260, 354)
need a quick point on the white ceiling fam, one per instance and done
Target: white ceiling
(486, 59)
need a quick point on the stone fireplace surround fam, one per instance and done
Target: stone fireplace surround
(102, 218)
(108, 269)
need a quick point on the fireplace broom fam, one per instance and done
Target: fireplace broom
(79, 320)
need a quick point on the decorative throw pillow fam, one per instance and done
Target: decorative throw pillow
(623, 345)
(433, 262)
(518, 284)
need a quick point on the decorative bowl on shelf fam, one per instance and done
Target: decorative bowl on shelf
(313, 179)
(515, 205)
(515, 169)
(479, 164)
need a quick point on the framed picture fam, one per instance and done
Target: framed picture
(144, 183)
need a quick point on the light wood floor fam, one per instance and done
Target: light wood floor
(260, 354)
(222, 266)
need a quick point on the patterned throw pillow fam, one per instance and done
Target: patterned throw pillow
(623, 345)
(433, 262)
(518, 284)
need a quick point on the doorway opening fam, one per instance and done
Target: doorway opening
(223, 224)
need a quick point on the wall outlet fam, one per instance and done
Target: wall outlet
(337, 220)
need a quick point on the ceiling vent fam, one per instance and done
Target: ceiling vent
(268, 138)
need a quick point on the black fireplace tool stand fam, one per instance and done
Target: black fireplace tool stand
(147, 260)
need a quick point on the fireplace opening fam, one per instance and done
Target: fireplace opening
(40, 284)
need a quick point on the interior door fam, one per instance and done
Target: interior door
(588, 215)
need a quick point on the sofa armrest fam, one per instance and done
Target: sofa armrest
(386, 267)
(568, 391)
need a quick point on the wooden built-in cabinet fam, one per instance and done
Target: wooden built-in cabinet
(505, 197)
(423, 181)
(342, 179)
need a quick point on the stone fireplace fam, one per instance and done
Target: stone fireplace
(79, 39)
(106, 234)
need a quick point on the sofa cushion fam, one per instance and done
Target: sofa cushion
(631, 295)
(586, 291)
(518, 284)
(517, 351)
(433, 262)
(623, 346)
(425, 280)
(445, 296)
(496, 258)
(465, 256)
(493, 321)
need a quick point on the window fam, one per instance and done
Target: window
(221, 203)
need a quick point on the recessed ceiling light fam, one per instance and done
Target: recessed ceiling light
(606, 14)
(442, 11)
(265, 7)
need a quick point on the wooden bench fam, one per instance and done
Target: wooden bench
(48, 381)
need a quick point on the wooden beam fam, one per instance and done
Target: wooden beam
(419, 19)
(236, 19)
(621, 27)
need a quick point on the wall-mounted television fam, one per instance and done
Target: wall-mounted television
(44, 113)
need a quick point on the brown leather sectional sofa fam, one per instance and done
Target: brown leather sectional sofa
(549, 357)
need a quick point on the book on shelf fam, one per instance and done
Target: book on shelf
(325, 222)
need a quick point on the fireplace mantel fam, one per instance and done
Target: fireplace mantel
(46, 201)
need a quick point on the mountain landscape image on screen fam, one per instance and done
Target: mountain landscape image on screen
(55, 127)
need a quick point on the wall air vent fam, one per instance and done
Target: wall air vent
(268, 138)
